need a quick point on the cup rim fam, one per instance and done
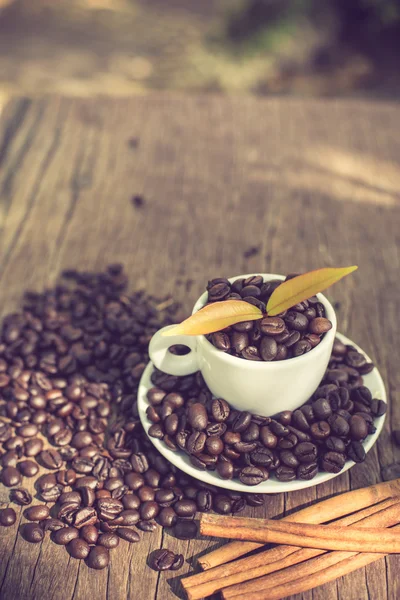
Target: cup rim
(280, 364)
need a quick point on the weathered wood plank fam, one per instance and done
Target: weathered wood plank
(304, 183)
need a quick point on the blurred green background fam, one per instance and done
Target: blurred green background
(122, 47)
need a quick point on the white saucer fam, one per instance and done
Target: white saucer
(272, 486)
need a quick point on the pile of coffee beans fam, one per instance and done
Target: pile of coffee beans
(287, 335)
(70, 364)
(320, 436)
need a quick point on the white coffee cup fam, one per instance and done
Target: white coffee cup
(263, 388)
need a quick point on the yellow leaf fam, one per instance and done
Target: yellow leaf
(304, 286)
(216, 316)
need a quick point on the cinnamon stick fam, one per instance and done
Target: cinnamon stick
(328, 537)
(325, 510)
(208, 582)
(384, 518)
(319, 571)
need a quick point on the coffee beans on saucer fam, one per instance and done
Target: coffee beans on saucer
(287, 335)
(320, 436)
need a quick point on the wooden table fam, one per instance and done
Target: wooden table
(229, 186)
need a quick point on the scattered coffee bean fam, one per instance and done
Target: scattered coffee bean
(21, 496)
(7, 517)
(32, 533)
(109, 540)
(40, 512)
(99, 558)
(130, 535)
(161, 560)
(78, 548)
(65, 535)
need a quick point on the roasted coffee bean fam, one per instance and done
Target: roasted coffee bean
(139, 463)
(333, 462)
(268, 438)
(108, 540)
(284, 473)
(289, 459)
(7, 517)
(306, 452)
(355, 359)
(89, 533)
(185, 508)
(307, 471)
(21, 496)
(272, 326)
(85, 516)
(225, 469)
(156, 431)
(296, 320)
(78, 548)
(255, 499)
(221, 341)
(149, 510)
(51, 459)
(320, 325)
(51, 524)
(32, 533)
(167, 517)
(147, 526)
(288, 442)
(222, 504)
(320, 430)
(299, 421)
(322, 409)
(251, 353)
(127, 534)
(262, 457)
(52, 494)
(161, 560)
(197, 416)
(241, 421)
(99, 558)
(339, 426)
(10, 477)
(28, 468)
(214, 445)
(278, 429)
(65, 535)
(220, 410)
(185, 530)
(40, 512)
(155, 396)
(268, 348)
(251, 475)
(358, 428)
(356, 452)
(378, 407)
(196, 442)
(335, 444)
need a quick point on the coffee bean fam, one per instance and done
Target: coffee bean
(268, 438)
(40, 512)
(108, 540)
(306, 452)
(185, 530)
(299, 421)
(378, 407)
(221, 341)
(89, 533)
(320, 430)
(255, 499)
(251, 475)
(10, 477)
(320, 325)
(51, 459)
(167, 517)
(225, 469)
(268, 348)
(296, 320)
(129, 535)
(7, 517)
(356, 452)
(322, 409)
(28, 468)
(196, 441)
(161, 560)
(51, 524)
(65, 535)
(197, 416)
(32, 533)
(147, 526)
(185, 508)
(301, 347)
(284, 473)
(220, 410)
(85, 516)
(307, 471)
(52, 494)
(272, 326)
(251, 353)
(21, 496)
(358, 427)
(222, 504)
(241, 421)
(78, 548)
(339, 425)
(149, 510)
(99, 558)
(333, 462)
(28, 431)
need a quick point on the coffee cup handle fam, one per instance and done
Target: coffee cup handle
(173, 364)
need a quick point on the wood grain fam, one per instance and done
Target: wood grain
(306, 183)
